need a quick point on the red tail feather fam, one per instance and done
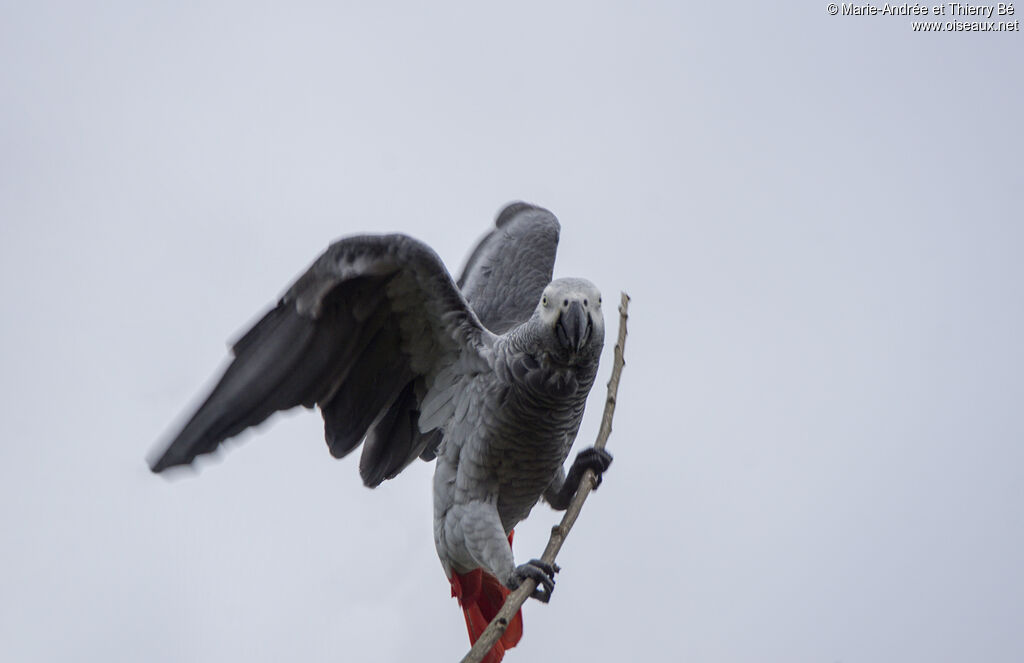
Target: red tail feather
(481, 597)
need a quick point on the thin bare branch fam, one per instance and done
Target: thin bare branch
(516, 599)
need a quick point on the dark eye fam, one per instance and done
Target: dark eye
(544, 300)
(565, 302)
(586, 303)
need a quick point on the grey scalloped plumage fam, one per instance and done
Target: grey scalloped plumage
(489, 375)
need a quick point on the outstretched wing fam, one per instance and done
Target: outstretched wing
(371, 316)
(503, 280)
(510, 267)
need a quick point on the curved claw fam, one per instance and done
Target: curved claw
(540, 572)
(594, 459)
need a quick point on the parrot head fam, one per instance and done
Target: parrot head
(570, 309)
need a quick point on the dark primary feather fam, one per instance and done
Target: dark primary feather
(336, 339)
(396, 440)
(380, 373)
(285, 360)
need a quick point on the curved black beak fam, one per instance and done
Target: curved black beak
(573, 327)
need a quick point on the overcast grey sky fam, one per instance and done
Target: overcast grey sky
(819, 442)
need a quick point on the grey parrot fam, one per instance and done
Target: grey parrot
(489, 375)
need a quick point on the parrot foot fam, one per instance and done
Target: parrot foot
(594, 459)
(541, 572)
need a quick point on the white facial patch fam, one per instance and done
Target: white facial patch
(562, 292)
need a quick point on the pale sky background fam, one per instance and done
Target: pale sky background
(819, 447)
